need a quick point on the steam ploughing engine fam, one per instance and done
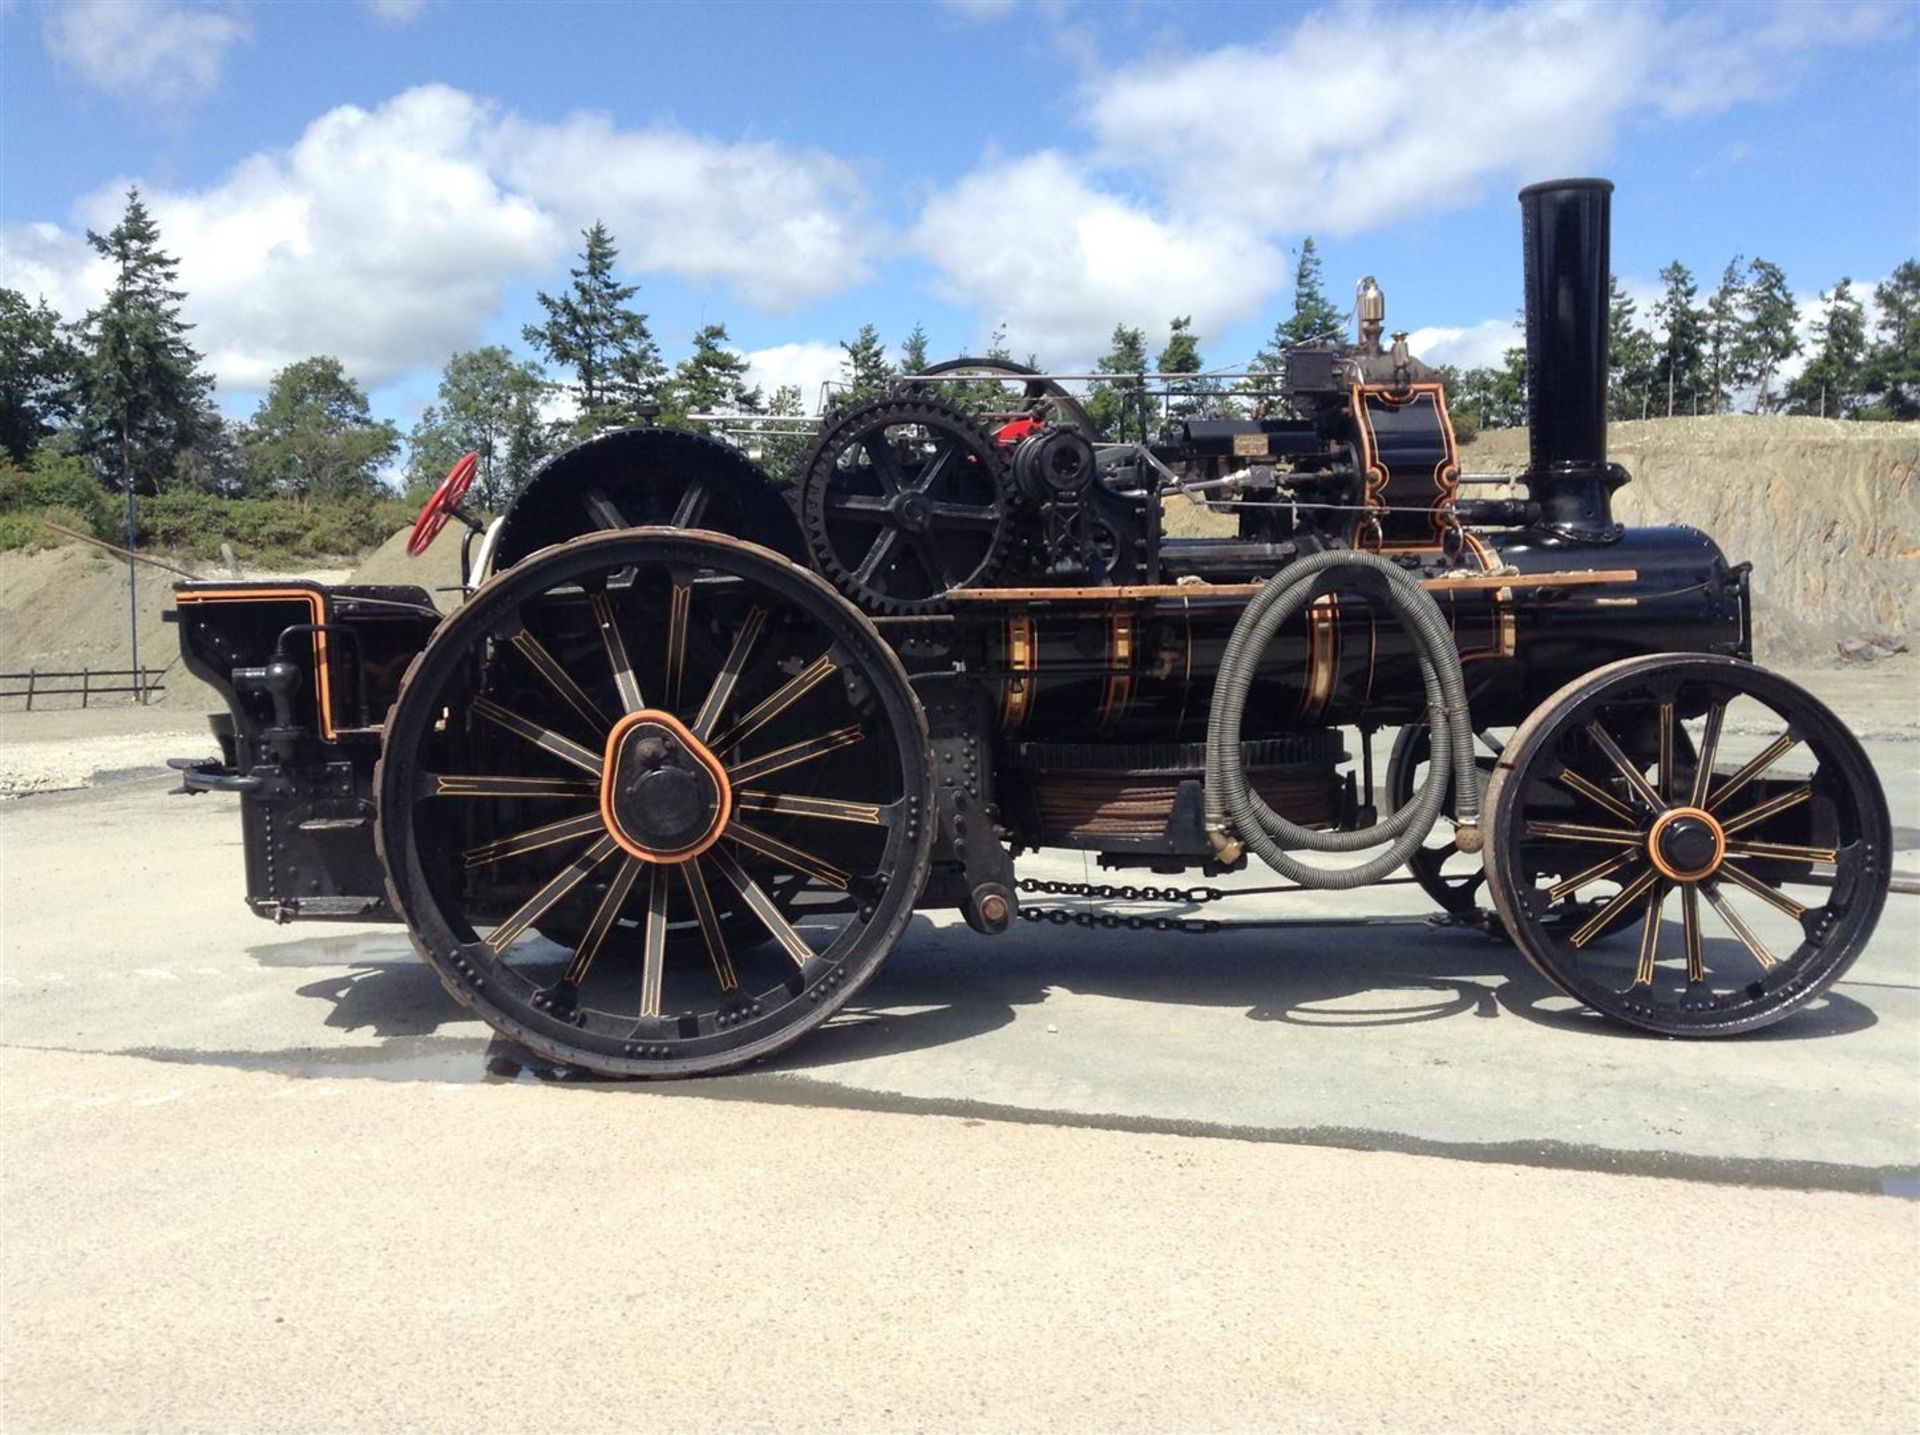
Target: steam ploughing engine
(669, 784)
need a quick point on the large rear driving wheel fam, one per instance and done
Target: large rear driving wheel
(653, 803)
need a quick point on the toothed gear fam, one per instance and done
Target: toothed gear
(905, 499)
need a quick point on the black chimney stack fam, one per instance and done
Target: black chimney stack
(1564, 239)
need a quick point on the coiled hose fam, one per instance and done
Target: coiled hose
(1236, 811)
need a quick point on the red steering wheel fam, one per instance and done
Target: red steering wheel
(440, 507)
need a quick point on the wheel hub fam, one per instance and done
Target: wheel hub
(663, 795)
(1686, 844)
(911, 513)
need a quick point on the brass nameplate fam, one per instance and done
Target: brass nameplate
(1251, 445)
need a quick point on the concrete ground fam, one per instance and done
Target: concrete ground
(1332, 1166)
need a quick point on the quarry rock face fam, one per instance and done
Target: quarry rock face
(1828, 513)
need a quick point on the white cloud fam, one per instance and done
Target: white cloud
(1360, 115)
(145, 52)
(1482, 345)
(805, 365)
(397, 13)
(980, 10)
(385, 236)
(1084, 259)
(777, 225)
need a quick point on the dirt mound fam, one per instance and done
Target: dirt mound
(437, 570)
(1827, 512)
(63, 609)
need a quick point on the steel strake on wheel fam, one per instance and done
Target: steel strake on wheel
(1792, 869)
(639, 734)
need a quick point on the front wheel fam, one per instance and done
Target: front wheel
(1750, 854)
(653, 803)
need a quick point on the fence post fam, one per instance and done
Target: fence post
(32, 673)
(86, 681)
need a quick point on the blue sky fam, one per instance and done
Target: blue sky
(392, 181)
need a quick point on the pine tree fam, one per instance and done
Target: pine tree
(40, 371)
(1198, 396)
(1631, 353)
(1892, 371)
(1829, 385)
(865, 367)
(1725, 319)
(1679, 370)
(591, 333)
(489, 405)
(314, 436)
(1768, 336)
(145, 399)
(1314, 316)
(1114, 405)
(777, 450)
(713, 378)
(913, 353)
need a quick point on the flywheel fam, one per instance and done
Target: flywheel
(904, 500)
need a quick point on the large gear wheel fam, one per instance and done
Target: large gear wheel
(905, 499)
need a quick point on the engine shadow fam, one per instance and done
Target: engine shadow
(944, 985)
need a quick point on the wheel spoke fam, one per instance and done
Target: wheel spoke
(886, 464)
(1771, 754)
(965, 515)
(692, 506)
(602, 510)
(877, 555)
(761, 905)
(1613, 906)
(934, 468)
(778, 701)
(1778, 900)
(564, 748)
(1773, 807)
(862, 505)
(1709, 748)
(534, 839)
(1666, 753)
(1605, 867)
(560, 680)
(653, 954)
(1649, 939)
(1603, 740)
(721, 693)
(679, 605)
(710, 930)
(604, 916)
(485, 785)
(1690, 934)
(832, 809)
(535, 907)
(1578, 832)
(1739, 928)
(624, 679)
(1784, 852)
(1594, 793)
(787, 856)
(782, 758)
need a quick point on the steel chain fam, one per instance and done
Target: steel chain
(1116, 921)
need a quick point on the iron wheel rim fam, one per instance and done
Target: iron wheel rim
(842, 885)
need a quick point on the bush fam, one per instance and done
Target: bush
(59, 486)
(198, 523)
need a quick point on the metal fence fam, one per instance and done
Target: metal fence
(84, 683)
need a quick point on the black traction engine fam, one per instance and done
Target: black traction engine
(668, 785)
